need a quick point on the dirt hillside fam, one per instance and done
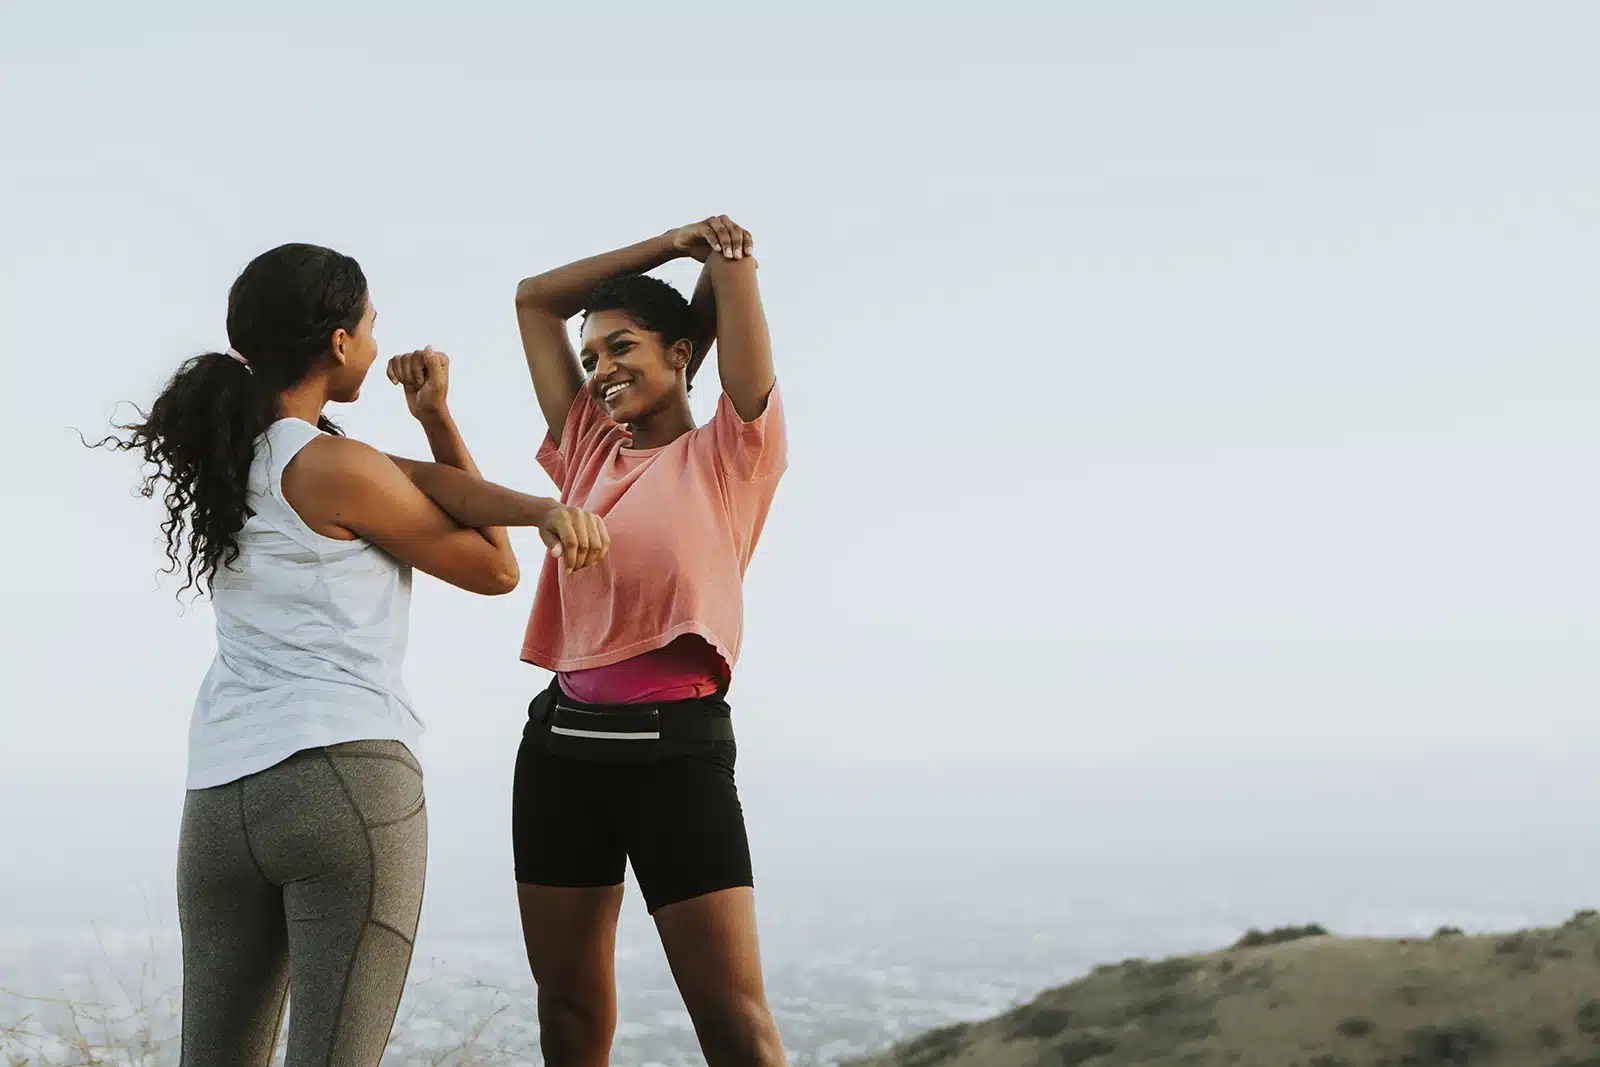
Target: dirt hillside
(1299, 998)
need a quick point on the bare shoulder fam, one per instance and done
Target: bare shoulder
(333, 478)
(338, 460)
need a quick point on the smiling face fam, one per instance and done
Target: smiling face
(631, 371)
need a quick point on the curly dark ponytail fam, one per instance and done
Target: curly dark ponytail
(199, 436)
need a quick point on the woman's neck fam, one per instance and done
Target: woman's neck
(304, 401)
(662, 427)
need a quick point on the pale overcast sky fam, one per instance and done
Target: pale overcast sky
(1168, 384)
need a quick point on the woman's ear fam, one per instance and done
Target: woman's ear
(681, 352)
(341, 344)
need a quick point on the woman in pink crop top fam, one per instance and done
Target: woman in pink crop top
(629, 756)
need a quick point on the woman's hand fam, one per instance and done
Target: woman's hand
(716, 234)
(576, 538)
(425, 376)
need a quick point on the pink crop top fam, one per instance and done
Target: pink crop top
(684, 520)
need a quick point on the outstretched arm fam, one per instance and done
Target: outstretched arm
(577, 538)
(337, 484)
(471, 501)
(455, 486)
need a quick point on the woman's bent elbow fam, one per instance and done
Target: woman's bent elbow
(502, 581)
(528, 292)
(496, 580)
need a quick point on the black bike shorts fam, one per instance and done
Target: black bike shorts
(577, 824)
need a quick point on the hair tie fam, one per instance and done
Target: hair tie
(233, 353)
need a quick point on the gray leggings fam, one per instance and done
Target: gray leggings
(307, 876)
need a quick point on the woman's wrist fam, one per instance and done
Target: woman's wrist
(440, 428)
(539, 509)
(436, 419)
(668, 243)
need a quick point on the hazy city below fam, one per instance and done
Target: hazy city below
(890, 903)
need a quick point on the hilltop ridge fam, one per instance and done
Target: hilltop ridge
(1301, 997)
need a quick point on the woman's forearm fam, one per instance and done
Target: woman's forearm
(473, 502)
(450, 449)
(447, 444)
(565, 290)
(744, 353)
(704, 309)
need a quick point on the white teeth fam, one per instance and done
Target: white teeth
(614, 389)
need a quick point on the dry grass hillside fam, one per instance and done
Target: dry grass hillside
(1300, 998)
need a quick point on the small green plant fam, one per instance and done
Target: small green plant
(1454, 1045)
(1549, 1036)
(1082, 1049)
(1519, 942)
(1159, 1004)
(1165, 973)
(1281, 935)
(1526, 952)
(1037, 1022)
(1356, 1027)
(1447, 931)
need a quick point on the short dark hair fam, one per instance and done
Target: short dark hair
(652, 303)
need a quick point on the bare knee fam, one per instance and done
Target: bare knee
(738, 1032)
(575, 1031)
(571, 938)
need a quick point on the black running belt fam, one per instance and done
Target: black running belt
(626, 733)
(679, 721)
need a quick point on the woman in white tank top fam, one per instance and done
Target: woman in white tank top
(304, 837)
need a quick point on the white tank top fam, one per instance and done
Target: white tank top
(311, 632)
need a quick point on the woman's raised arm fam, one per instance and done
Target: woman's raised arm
(744, 352)
(546, 301)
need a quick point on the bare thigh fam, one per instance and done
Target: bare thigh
(715, 954)
(571, 937)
